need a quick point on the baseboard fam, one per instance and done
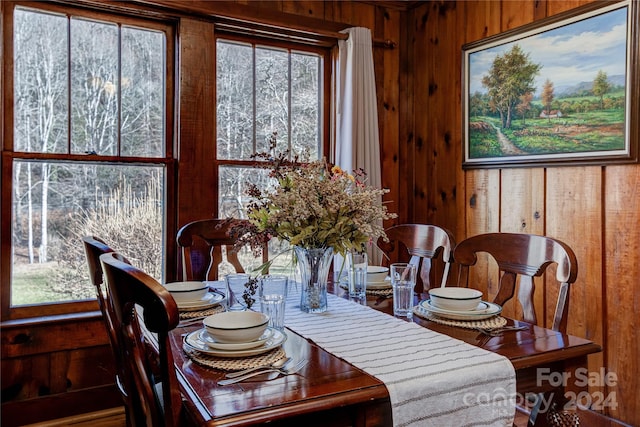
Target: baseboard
(60, 406)
(114, 417)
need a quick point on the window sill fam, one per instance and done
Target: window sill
(56, 319)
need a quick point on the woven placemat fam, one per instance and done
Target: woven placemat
(185, 315)
(235, 364)
(377, 292)
(490, 323)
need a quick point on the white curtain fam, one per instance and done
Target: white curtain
(356, 110)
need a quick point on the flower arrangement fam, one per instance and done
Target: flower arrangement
(314, 205)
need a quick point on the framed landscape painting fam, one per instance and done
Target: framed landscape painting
(563, 90)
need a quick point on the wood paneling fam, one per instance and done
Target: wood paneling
(575, 217)
(522, 205)
(55, 368)
(389, 108)
(593, 209)
(60, 369)
(29, 339)
(621, 286)
(483, 202)
(309, 8)
(197, 194)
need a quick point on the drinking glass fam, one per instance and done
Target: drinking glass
(272, 293)
(358, 262)
(236, 291)
(403, 280)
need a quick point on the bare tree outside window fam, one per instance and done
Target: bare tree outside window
(83, 89)
(263, 90)
(89, 148)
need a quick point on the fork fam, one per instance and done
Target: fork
(282, 371)
(497, 331)
(282, 363)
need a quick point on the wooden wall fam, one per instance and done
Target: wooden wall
(59, 367)
(594, 209)
(52, 368)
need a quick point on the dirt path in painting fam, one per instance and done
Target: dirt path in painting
(507, 147)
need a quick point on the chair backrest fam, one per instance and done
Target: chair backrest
(422, 243)
(149, 366)
(522, 256)
(201, 245)
(94, 247)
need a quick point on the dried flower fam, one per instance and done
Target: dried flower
(250, 289)
(313, 205)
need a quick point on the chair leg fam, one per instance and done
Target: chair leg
(535, 409)
(556, 416)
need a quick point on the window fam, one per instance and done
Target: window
(89, 151)
(265, 90)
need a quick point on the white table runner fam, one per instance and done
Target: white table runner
(432, 379)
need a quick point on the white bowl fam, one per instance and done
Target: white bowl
(455, 298)
(376, 273)
(187, 291)
(236, 326)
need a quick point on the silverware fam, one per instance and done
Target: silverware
(497, 331)
(280, 371)
(190, 322)
(281, 363)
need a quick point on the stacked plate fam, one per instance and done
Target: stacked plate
(200, 340)
(371, 285)
(378, 277)
(210, 299)
(194, 296)
(459, 304)
(382, 284)
(483, 310)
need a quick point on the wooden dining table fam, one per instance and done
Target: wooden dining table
(331, 391)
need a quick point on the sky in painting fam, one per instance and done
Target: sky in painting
(569, 54)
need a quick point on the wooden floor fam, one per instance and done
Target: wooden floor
(108, 418)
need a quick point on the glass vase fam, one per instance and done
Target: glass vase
(237, 293)
(314, 264)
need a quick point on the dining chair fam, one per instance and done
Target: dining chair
(148, 363)
(520, 258)
(201, 245)
(94, 247)
(576, 417)
(418, 244)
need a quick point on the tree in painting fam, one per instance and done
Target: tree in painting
(511, 76)
(547, 97)
(524, 106)
(601, 86)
